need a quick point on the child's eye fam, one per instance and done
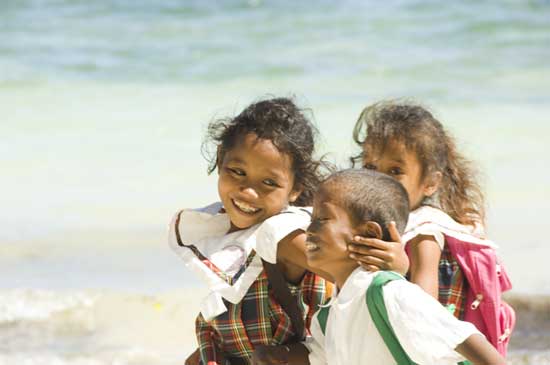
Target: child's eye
(320, 220)
(369, 166)
(396, 171)
(270, 182)
(235, 171)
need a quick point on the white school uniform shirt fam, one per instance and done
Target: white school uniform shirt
(237, 255)
(426, 330)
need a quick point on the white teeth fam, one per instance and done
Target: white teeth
(311, 246)
(245, 207)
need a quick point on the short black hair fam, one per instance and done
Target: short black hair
(282, 122)
(370, 196)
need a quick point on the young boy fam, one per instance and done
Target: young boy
(363, 202)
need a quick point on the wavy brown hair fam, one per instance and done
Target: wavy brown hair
(459, 193)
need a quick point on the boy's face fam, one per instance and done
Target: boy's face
(330, 231)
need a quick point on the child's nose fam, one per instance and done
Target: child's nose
(250, 192)
(310, 229)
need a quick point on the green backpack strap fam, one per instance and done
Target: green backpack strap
(322, 317)
(377, 310)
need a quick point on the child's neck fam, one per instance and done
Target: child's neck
(233, 228)
(342, 273)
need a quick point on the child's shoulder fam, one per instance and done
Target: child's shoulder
(360, 280)
(431, 221)
(190, 225)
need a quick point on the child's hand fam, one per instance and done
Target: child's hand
(265, 355)
(293, 354)
(374, 254)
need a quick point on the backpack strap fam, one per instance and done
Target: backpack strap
(322, 317)
(379, 314)
(287, 301)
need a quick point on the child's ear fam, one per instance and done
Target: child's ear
(294, 194)
(432, 182)
(371, 229)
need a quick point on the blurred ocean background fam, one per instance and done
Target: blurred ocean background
(103, 106)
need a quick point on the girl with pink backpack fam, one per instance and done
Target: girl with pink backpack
(449, 256)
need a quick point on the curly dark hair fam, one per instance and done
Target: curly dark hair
(459, 194)
(280, 121)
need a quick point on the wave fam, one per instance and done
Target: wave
(96, 327)
(40, 305)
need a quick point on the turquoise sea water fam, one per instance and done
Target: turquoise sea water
(104, 104)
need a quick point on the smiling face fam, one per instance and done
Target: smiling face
(403, 165)
(329, 233)
(255, 181)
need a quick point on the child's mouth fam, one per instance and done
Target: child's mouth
(310, 246)
(244, 207)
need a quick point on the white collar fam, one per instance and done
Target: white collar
(193, 233)
(354, 285)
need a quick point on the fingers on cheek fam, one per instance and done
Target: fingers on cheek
(361, 250)
(361, 242)
(360, 257)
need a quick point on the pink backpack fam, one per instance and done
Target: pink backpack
(487, 281)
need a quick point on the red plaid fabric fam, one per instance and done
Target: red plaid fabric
(257, 320)
(452, 283)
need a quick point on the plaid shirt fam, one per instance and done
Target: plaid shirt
(452, 284)
(257, 320)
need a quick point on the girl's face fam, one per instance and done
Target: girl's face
(402, 164)
(255, 181)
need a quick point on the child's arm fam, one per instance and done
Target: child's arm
(425, 255)
(374, 254)
(291, 258)
(479, 351)
(383, 255)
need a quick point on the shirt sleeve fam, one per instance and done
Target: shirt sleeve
(428, 333)
(427, 230)
(274, 229)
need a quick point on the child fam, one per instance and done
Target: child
(353, 202)
(266, 173)
(449, 258)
